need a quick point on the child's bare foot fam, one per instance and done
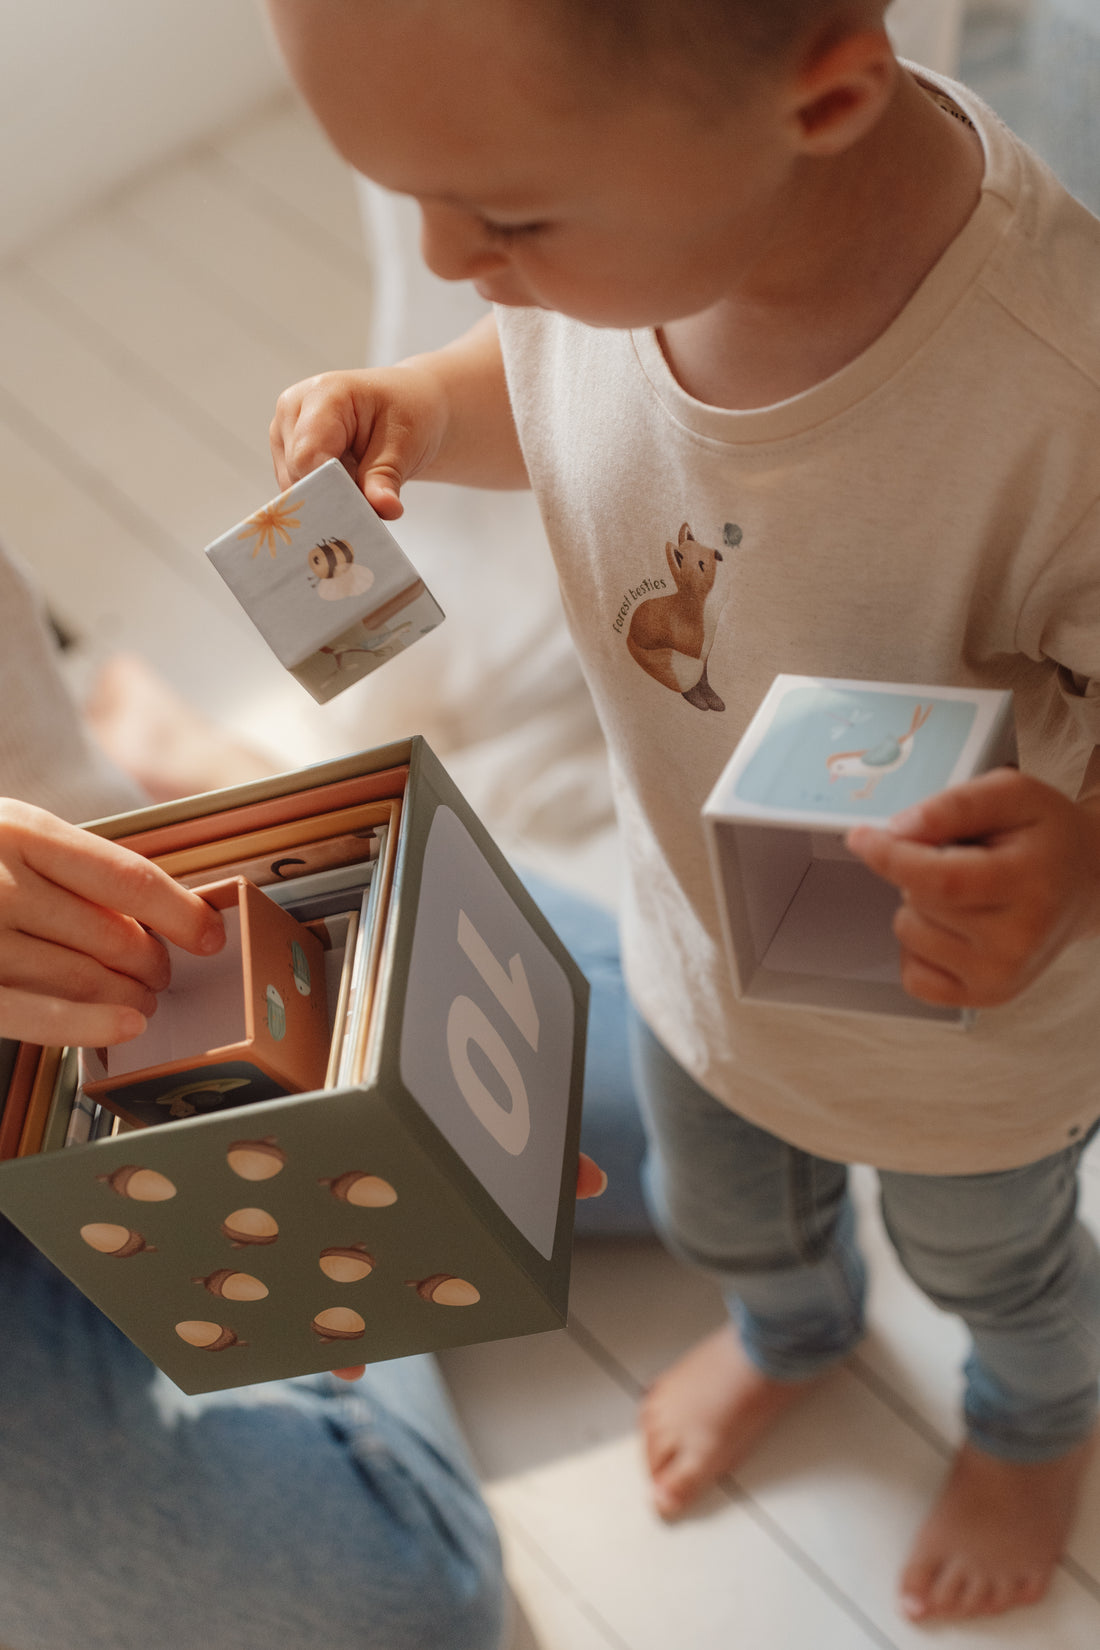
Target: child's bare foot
(160, 740)
(994, 1537)
(702, 1417)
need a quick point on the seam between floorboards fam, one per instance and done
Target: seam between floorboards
(83, 476)
(161, 390)
(735, 1492)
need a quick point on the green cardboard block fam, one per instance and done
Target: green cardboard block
(429, 1206)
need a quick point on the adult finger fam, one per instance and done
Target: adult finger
(52, 1021)
(33, 964)
(61, 930)
(109, 875)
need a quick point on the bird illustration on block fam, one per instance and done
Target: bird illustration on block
(877, 761)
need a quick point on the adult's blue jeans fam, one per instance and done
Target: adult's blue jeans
(1005, 1252)
(311, 1513)
(299, 1515)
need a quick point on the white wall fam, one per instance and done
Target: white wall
(927, 31)
(93, 91)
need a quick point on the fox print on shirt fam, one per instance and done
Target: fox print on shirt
(671, 636)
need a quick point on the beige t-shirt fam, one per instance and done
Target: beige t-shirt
(929, 514)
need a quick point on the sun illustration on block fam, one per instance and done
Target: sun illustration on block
(273, 522)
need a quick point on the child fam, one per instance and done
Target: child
(810, 337)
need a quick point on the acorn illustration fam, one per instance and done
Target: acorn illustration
(256, 1159)
(299, 967)
(209, 1337)
(143, 1185)
(365, 1191)
(234, 1286)
(338, 1323)
(276, 1013)
(250, 1226)
(444, 1289)
(346, 1263)
(119, 1241)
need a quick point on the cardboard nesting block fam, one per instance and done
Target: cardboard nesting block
(247, 1024)
(325, 582)
(805, 922)
(428, 1203)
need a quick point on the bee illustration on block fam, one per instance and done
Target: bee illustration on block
(334, 572)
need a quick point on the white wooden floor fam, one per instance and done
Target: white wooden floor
(141, 349)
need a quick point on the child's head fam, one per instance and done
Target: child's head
(624, 163)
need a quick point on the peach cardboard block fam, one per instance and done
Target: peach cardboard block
(806, 923)
(325, 582)
(426, 1203)
(247, 1024)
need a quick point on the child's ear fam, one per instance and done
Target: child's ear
(840, 91)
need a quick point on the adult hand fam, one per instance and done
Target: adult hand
(77, 965)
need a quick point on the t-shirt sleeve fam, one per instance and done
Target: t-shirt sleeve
(1060, 621)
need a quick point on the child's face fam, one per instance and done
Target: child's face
(543, 183)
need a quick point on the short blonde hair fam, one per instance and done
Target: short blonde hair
(713, 36)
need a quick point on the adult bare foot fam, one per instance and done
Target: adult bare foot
(702, 1417)
(994, 1537)
(155, 736)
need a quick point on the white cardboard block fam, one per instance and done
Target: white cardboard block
(325, 582)
(805, 922)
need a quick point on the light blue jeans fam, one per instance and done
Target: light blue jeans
(1005, 1252)
(299, 1515)
(308, 1513)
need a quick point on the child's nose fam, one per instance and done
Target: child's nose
(454, 245)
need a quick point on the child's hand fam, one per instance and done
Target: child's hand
(445, 416)
(76, 964)
(591, 1182)
(387, 426)
(997, 876)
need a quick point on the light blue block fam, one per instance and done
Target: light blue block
(806, 923)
